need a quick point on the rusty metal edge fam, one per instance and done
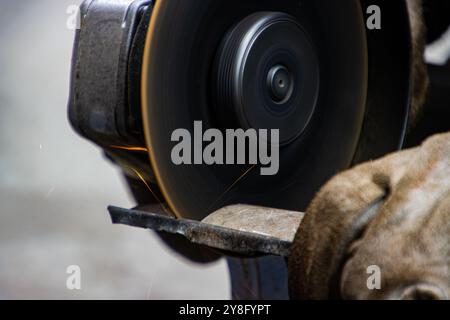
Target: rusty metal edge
(229, 240)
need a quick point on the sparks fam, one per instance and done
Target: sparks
(137, 149)
(234, 184)
(139, 175)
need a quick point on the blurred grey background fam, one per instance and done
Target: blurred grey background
(54, 186)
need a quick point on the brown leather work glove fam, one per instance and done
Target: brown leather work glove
(391, 215)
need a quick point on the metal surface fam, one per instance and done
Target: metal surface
(99, 100)
(104, 102)
(243, 230)
(269, 222)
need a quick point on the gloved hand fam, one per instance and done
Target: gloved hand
(390, 216)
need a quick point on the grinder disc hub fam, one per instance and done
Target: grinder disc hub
(267, 75)
(280, 84)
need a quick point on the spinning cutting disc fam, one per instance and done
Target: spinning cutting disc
(301, 67)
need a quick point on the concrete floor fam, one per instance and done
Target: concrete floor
(54, 186)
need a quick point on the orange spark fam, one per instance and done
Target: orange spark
(234, 184)
(138, 149)
(139, 175)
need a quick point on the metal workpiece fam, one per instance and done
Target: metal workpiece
(240, 229)
(275, 223)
